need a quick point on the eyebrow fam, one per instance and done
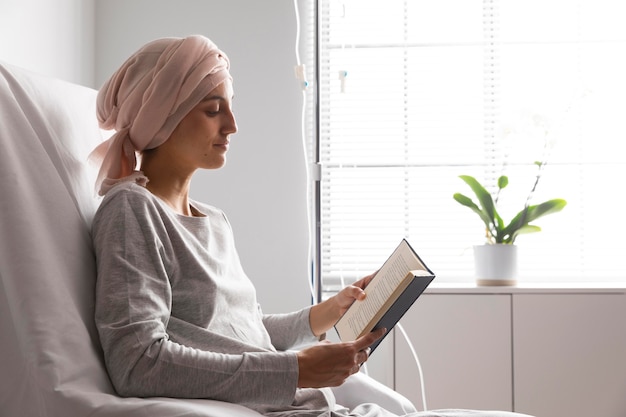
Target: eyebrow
(210, 98)
(216, 97)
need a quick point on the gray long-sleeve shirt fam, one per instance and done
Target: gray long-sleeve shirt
(178, 317)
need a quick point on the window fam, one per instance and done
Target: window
(413, 93)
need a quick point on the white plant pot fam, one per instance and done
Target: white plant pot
(495, 264)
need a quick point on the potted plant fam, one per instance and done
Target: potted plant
(496, 260)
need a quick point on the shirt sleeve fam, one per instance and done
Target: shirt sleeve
(291, 330)
(133, 308)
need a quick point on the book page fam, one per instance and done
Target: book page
(379, 290)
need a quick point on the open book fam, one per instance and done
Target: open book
(395, 287)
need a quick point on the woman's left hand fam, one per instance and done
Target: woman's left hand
(325, 314)
(352, 292)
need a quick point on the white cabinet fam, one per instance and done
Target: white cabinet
(570, 354)
(464, 346)
(547, 352)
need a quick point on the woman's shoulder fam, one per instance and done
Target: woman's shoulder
(125, 207)
(126, 197)
(128, 193)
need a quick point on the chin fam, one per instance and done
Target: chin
(216, 164)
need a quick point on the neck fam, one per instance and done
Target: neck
(176, 198)
(170, 185)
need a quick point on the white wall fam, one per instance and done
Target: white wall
(54, 38)
(262, 187)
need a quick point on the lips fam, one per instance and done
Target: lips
(223, 145)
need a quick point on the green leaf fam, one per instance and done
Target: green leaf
(547, 207)
(523, 230)
(468, 202)
(483, 196)
(532, 213)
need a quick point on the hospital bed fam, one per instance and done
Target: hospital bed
(51, 363)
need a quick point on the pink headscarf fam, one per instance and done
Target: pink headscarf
(148, 96)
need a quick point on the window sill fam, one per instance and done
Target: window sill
(528, 288)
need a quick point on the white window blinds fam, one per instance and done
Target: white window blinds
(414, 93)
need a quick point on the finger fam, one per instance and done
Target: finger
(362, 283)
(358, 293)
(370, 277)
(352, 293)
(367, 352)
(363, 355)
(365, 341)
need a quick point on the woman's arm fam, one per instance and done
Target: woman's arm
(290, 330)
(134, 320)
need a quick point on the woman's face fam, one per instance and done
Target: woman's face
(202, 138)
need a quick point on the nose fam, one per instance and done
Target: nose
(230, 125)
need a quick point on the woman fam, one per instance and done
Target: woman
(176, 314)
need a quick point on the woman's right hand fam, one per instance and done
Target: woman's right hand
(330, 364)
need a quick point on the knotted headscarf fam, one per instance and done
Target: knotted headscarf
(148, 96)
